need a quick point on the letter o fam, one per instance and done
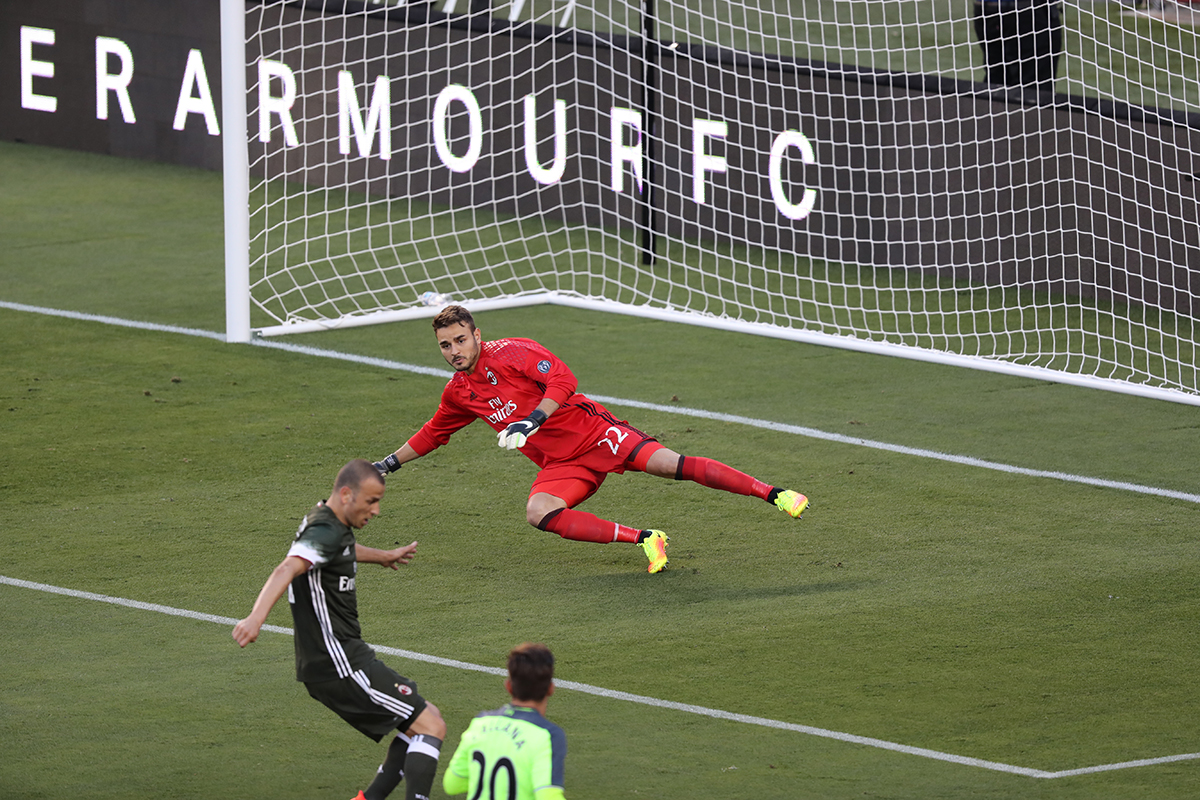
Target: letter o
(441, 108)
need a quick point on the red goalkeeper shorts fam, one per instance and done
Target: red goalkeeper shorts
(622, 447)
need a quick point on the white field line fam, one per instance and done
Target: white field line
(124, 323)
(612, 694)
(781, 427)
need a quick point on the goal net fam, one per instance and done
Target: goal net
(847, 173)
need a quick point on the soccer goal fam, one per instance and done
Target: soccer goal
(839, 173)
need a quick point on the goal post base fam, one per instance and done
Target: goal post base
(881, 348)
(753, 328)
(397, 315)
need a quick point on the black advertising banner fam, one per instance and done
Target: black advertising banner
(843, 164)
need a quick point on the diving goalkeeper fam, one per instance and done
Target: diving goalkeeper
(526, 394)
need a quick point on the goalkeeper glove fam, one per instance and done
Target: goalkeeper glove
(389, 464)
(514, 435)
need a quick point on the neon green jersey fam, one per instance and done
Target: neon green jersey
(512, 753)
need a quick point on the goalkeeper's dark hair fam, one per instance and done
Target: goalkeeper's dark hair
(355, 473)
(531, 670)
(453, 315)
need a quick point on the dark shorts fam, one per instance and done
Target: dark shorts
(620, 447)
(375, 699)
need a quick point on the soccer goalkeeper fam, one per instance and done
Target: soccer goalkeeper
(514, 751)
(526, 394)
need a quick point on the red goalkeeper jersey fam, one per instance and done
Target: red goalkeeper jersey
(510, 378)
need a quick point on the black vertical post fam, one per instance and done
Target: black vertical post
(650, 128)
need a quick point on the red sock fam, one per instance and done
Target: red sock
(581, 526)
(716, 475)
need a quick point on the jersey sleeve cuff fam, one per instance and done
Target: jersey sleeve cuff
(559, 394)
(307, 552)
(453, 783)
(422, 443)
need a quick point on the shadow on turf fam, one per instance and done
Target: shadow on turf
(686, 591)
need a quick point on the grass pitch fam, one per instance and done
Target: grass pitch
(1027, 621)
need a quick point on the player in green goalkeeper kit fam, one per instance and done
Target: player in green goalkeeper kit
(514, 752)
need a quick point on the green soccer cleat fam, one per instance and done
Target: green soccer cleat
(791, 502)
(655, 546)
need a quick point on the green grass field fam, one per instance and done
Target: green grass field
(1029, 621)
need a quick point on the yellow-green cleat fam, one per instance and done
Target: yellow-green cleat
(655, 547)
(791, 502)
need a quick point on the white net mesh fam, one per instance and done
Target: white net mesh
(831, 167)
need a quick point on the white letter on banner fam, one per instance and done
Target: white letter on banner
(350, 114)
(282, 105)
(775, 167)
(194, 75)
(623, 153)
(119, 83)
(441, 109)
(31, 69)
(559, 165)
(702, 162)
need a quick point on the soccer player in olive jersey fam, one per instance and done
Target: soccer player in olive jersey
(514, 752)
(336, 666)
(520, 388)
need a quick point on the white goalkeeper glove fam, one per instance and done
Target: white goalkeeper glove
(389, 464)
(515, 435)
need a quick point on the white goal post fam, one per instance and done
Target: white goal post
(834, 173)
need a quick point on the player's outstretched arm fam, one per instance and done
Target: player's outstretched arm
(387, 558)
(246, 630)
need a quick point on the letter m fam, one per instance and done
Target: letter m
(379, 117)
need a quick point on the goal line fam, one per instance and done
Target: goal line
(797, 430)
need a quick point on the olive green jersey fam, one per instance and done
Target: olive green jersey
(324, 603)
(510, 753)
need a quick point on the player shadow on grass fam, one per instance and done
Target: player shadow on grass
(691, 586)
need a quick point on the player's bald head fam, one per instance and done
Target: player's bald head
(355, 474)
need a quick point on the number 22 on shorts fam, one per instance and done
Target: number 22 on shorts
(620, 438)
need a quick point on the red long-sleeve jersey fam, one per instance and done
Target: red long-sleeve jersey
(510, 378)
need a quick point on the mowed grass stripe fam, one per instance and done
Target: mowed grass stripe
(625, 696)
(797, 430)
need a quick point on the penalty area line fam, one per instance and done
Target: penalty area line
(612, 694)
(782, 427)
